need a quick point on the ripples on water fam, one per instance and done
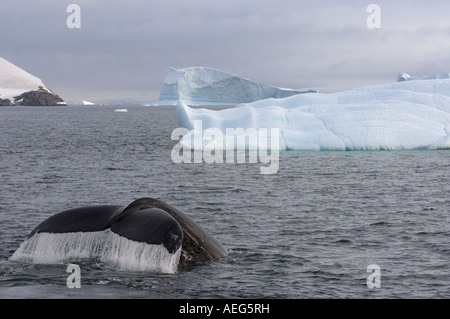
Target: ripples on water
(309, 231)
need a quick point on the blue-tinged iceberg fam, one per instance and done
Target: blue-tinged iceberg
(208, 86)
(395, 116)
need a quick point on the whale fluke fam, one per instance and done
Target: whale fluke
(146, 220)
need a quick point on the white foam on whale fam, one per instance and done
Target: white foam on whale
(108, 247)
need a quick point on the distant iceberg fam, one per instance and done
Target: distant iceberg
(395, 116)
(208, 86)
(83, 103)
(87, 103)
(406, 77)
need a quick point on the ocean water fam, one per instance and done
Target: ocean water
(309, 231)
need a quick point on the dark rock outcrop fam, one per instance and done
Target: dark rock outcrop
(5, 102)
(38, 98)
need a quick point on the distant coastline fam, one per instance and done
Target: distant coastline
(34, 98)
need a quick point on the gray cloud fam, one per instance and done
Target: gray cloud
(124, 48)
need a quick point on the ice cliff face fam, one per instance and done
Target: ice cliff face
(207, 86)
(18, 87)
(395, 116)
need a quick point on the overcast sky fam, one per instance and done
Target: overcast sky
(124, 47)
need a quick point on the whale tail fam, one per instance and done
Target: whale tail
(117, 232)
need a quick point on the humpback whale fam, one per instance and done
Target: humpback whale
(146, 220)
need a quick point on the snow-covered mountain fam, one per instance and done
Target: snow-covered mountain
(208, 86)
(18, 87)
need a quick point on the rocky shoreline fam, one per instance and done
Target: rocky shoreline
(34, 98)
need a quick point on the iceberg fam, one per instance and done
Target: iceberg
(395, 116)
(18, 87)
(406, 77)
(208, 86)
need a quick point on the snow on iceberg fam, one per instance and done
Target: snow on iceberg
(406, 77)
(208, 86)
(396, 116)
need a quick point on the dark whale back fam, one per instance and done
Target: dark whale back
(198, 244)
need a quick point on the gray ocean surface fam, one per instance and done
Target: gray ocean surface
(309, 231)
